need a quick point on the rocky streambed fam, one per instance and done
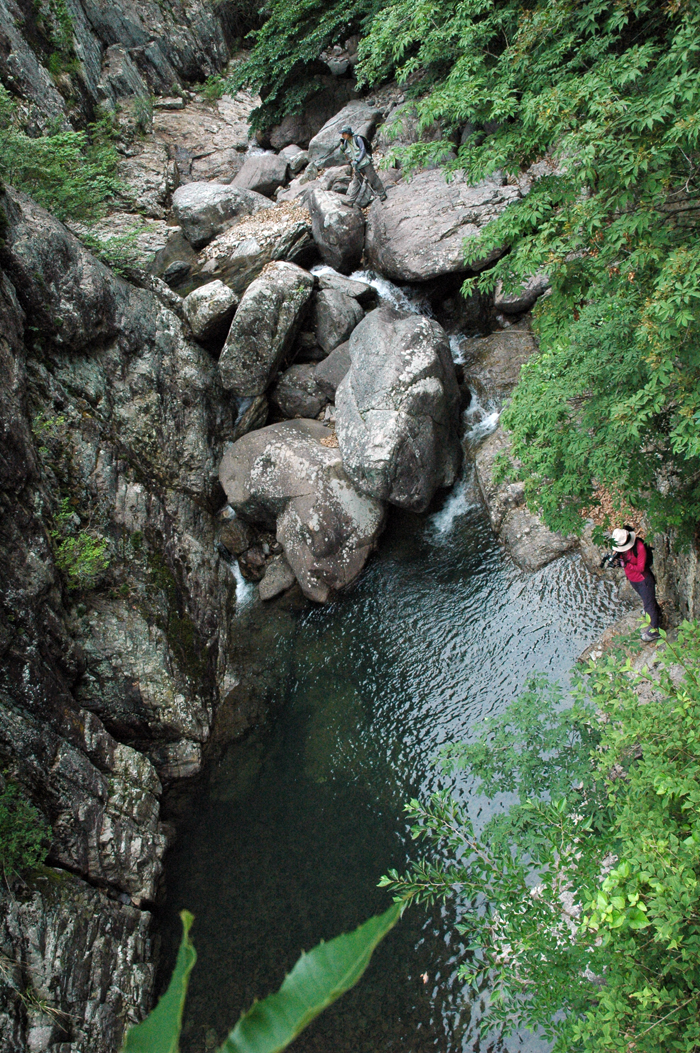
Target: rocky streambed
(193, 453)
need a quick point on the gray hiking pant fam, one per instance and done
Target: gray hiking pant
(358, 178)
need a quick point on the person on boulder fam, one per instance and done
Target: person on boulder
(634, 559)
(357, 149)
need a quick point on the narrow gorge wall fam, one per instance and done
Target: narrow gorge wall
(110, 410)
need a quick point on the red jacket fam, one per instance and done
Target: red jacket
(635, 560)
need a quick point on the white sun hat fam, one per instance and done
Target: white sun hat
(623, 540)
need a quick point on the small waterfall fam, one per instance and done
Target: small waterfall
(458, 349)
(406, 299)
(462, 500)
(402, 299)
(480, 419)
(245, 590)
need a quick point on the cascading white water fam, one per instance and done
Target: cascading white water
(462, 499)
(480, 419)
(245, 590)
(401, 299)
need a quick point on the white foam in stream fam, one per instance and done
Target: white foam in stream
(386, 291)
(480, 419)
(460, 501)
(245, 590)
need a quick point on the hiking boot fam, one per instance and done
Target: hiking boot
(650, 637)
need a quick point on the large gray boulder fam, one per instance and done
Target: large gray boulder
(281, 232)
(531, 544)
(296, 158)
(262, 173)
(204, 210)
(297, 394)
(338, 229)
(420, 231)
(289, 477)
(523, 298)
(209, 309)
(335, 317)
(264, 328)
(397, 410)
(329, 373)
(359, 115)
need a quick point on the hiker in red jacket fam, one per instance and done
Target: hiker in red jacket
(634, 558)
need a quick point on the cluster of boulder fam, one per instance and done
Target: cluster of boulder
(363, 396)
(372, 418)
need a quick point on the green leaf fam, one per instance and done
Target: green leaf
(315, 982)
(160, 1031)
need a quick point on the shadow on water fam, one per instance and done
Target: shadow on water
(288, 832)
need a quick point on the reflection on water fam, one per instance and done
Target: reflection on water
(290, 830)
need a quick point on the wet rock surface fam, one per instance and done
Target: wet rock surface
(492, 363)
(289, 477)
(397, 409)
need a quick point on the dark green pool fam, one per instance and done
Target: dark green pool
(289, 831)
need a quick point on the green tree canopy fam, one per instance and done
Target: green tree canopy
(605, 94)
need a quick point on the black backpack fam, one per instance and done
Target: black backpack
(368, 145)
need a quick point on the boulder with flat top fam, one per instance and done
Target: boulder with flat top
(205, 210)
(420, 232)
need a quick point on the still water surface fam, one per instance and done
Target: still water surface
(289, 831)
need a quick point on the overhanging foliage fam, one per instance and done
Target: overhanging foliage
(606, 95)
(582, 903)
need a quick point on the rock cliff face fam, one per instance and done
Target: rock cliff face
(108, 52)
(113, 421)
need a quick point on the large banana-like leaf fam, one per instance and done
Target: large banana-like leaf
(317, 979)
(160, 1031)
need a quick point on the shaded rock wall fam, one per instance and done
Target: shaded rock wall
(66, 60)
(112, 421)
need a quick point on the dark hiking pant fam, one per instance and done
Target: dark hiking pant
(646, 590)
(372, 178)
